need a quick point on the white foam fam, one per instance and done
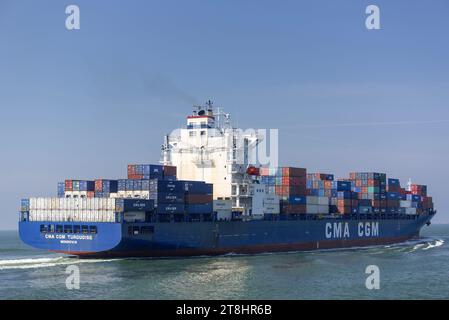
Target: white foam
(438, 243)
(43, 262)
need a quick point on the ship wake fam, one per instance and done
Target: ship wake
(34, 263)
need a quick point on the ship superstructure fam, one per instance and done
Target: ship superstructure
(210, 149)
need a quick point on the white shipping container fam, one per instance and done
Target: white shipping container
(61, 205)
(312, 208)
(224, 214)
(312, 200)
(222, 205)
(111, 204)
(53, 204)
(133, 216)
(410, 211)
(323, 201)
(271, 199)
(323, 209)
(406, 204)
(121, 194)
(271, 209)
(32, 204)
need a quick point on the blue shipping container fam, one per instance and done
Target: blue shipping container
(125, 205)
(393, 196)
(121, 185)
(343, 186)
(199, 208)
(297, 200)
(197, 187)
(393, 182)
(129, 185)
(170, 208)
(166, 186)
(110, 186)
(170, 197)
(85, 185)
(25, 204)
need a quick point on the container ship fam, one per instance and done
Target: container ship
(208, 196)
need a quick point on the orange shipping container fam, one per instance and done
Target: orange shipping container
(344, 210)
(344, 202)
(293, 172)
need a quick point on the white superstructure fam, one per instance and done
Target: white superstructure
(210, 149)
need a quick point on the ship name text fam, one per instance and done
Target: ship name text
(341, 230)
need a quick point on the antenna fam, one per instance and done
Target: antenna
(209, 104)
(409, 184)
(166, 151)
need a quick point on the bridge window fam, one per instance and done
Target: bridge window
(68, 229)
(85, 229)
(93, 229)
(76, 229)
(43, 228)
(59, 228)
(51, 228)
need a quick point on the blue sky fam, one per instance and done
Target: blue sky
(83, 104)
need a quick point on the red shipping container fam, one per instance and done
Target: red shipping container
(393, 188)
(90, 194)
(293, 190)
(131, 169)
(393, 203)
(99, 185)
(293, 172)
(135, 176)
(68, 185)
(278, 190)
(376, 203)
(294, 181)
(294, 209)
(169, 170)
(344, 210)
(198, 198)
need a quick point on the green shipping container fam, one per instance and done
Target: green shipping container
(373, 189)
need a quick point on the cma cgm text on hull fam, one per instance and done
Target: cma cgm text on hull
(209, 197)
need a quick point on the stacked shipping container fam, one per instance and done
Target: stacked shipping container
(289, 183)
(322, 186)
(296, 191)
(151, 171)
(362, 193)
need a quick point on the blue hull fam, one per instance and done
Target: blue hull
(215, 238)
